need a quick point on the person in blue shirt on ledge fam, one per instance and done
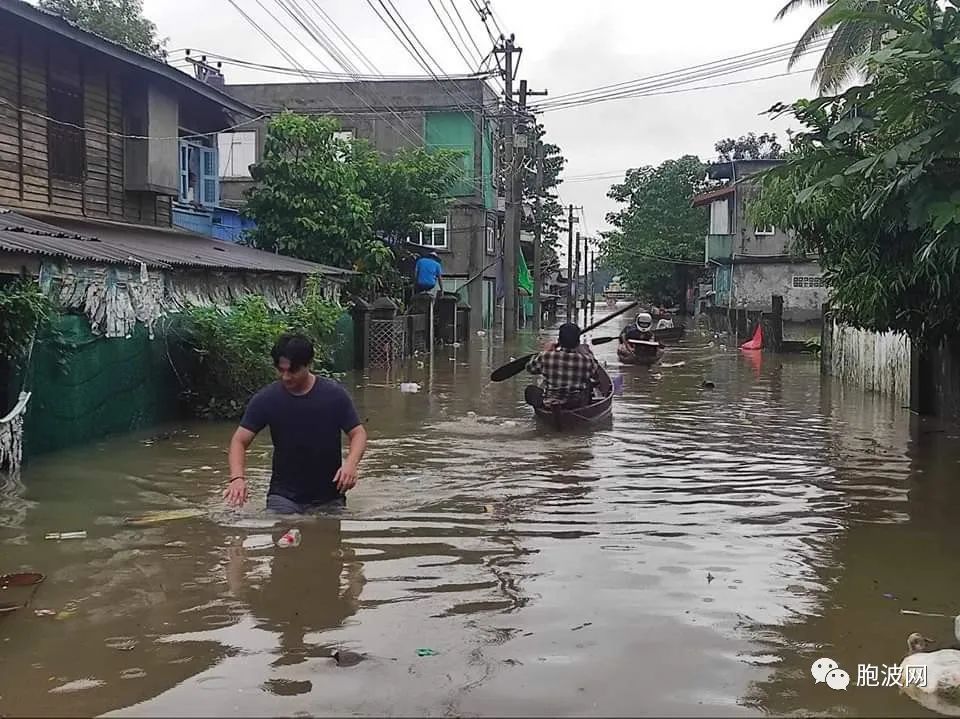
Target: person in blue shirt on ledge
(427, 274)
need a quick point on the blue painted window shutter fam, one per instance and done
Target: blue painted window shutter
(184, 170)
(210, 177)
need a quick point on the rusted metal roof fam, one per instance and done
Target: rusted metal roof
(707, 197)
(115, 243)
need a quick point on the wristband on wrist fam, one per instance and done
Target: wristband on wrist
(239, 476)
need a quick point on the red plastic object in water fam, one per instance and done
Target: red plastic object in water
(757, 342)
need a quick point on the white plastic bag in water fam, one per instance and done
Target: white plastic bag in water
(409, 387)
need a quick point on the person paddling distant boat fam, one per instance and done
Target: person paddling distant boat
(306, 415)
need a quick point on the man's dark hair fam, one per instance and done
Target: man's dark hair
(569, 336)
(295, 347)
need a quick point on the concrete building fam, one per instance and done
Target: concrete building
(455, 114)
(751, 264)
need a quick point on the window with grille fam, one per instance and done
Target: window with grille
(803, 282)
(763, 231)
(491, 240)
(66, 141)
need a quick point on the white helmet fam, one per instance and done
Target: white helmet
(644, 321)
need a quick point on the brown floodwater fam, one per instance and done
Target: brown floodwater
(695, 557)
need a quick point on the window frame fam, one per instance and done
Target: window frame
(807, 282)
(208, 159)
(227, 166)
(766, 231)
(490, 239)
(62, 139)
(432, 227)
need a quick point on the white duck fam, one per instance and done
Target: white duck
(941, 691)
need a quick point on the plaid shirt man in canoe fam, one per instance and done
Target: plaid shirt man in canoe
(569, 372)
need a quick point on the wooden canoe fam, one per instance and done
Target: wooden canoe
(674, 334)
(644, 352)
(597, 411)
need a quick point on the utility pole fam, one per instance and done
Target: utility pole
(586, 286)
(570, 251)
(512, 224)
(576, 288)
(514, 185)
(537, 231)
(593, 278)
(570, 263)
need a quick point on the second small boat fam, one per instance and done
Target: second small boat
(641, 352)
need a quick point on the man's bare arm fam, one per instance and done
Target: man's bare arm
(348, 474)
(236, 491)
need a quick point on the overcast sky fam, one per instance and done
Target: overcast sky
(568, 46)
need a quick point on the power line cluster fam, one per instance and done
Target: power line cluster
(298, 12)
(677, 80)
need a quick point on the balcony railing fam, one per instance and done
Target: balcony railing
(718, 248)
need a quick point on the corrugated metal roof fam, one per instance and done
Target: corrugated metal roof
(115, 243)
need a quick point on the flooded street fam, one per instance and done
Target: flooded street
(693, 559)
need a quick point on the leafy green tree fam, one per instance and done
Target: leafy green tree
(407, 190)
(329, 200)
(749, 147)
(657, 227)
(855, 28)
(307, 199)
(119, 20)
(871, 183)
(550, 208)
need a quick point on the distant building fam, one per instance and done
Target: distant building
(750, 264)
(436, 114)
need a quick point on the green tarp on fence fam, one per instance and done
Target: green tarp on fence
(86, 387)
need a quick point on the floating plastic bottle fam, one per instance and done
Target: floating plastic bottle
(290, 539)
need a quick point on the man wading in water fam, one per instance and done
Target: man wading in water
(306, 415)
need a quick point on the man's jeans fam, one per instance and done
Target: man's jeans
(282, 505)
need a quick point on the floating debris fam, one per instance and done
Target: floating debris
(44, 612)
(66, 535)
(258, 541)
(427, 653)
(20, 579)
(164, 515)
(346, 658)
(290, 538)
(481, 333)
(669, 365)
(77, 686)
(123, 644)
(409, 387)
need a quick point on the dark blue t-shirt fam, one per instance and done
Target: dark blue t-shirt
(306, 438)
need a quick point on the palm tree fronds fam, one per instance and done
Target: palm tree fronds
(818, 28)
(797, 4)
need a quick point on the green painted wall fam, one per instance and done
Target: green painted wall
(343, 354)
(489, 199)
(86, 387)
(454, 131)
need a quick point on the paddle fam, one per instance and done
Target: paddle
(517, 366)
